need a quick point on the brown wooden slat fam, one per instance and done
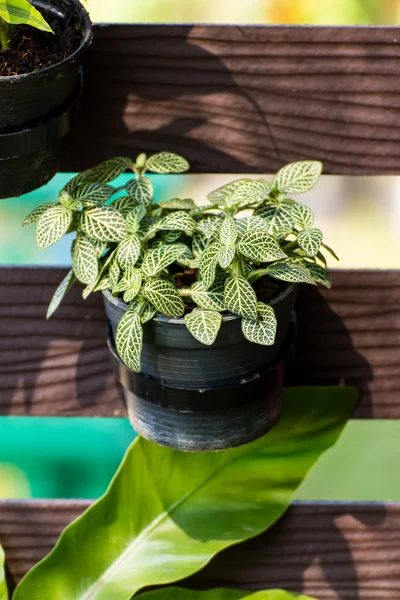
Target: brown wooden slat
(350, 334)
(330, 551)
(242, 98)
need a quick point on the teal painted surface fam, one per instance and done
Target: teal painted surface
(76, 458)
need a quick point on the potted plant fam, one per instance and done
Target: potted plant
(199, 298)
(40, 48)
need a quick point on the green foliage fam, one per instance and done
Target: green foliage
(143, 252)
(174, 593)
(167, 512)
(18, 12)
(3, 584)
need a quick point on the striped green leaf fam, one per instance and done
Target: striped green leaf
(292, 272)
(134, 277)
(103, 223)
(21, 12)
(85, 263)
(128, 251)
(35, 215)
(303, 217)
(3, 582)
(134, 217)
(204, 325)
(208, 263)
(52, 225)
(147, 310)
(240, 298)
(310, 241)
(212, 299)
(129, 339)
(141, 190)
(159, 258)
(124, 205)
(318, 274)
(260, 247)
(114, 272)
(220, 195)
(104, 172)
(249, 191)
(331, 252)
(263, 330)
(60, 292)
(92, 194)
(277, 215)
(254, 223)
(177, 221)
(174, 593)
(178, 204)
(164, 297)
(226, 256)
(170, 237)
(167, 162)
(298, 177)
(228, 233)
(199, 244)
(209, 226)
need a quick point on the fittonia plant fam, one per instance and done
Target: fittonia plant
(18, 12)
(180, 259)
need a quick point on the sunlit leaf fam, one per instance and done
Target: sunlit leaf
(212, 299)
(141, 190)
(164, 296)
(298, 177)
(278, 216)
(254, 223)
(159, 258)
(148, 311)
(208, 263)
(3, 583)
(181, 508)
(34, 216)
(85, 263)
(228, 233)
(310, 240)
(291, 272)
(128, 251)
(114, 272)
(263, 330)
(174, 593)
(134, 217)
(178, 204)
(259, 246)
(240, 298)
(177, 221)
(134, 277)
(318, 274)
(60, 293)
(91, 194)
(332, 252)
(104, 172)
(249, 191)
(52, 225)
(167, 162)
(204, 325)
(129, 341)
(124, 204)
(22, 12)
(226, 256)
(303, 217)
(104, 223)
(209, 226)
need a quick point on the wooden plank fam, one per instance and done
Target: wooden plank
(242, 98)
(350, 334)
(330, 551)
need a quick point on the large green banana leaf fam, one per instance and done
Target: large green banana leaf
(3, 585)
(174, 593)
(167, 513)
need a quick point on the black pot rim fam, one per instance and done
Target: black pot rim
(160, 318)
(87, 38)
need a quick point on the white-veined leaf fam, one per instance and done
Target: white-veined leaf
(85, 263)
(148, 311)
(298, 177)
(332, 252)
(19, 12)
(212, 299)
(157, 259)
(128, 251)
(228, 233)
(177, 221)
(204, 325)
(209, 226)
(292, 272)
(318, 274)
(226, 256)
(141, 190)
(103, 223)
(134, 217)
(35, 215)
(164, 296)
(104, 172)
(60, 293)
(178, 204)
(167, 162)
(52, 225)
(249, 191)
(208, 263)
(303, 217)
(92, 194)
(240, 298)
(129, 339)
(114, 272)
(100, 247)
(278, 216)
(124, 205)
(253, 223)
(260, 247)
(199, 244)
(220, 195)
(310, 240)
(170, 237)
(134, 277)
(263, 330)
(102, 284)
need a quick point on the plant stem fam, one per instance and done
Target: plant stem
(185, 292)
(6, 31)
(290, 246)
(257, 274)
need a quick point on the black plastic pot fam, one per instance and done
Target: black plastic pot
(36, 110)
(195, 397)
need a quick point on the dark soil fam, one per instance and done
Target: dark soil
(34, 49)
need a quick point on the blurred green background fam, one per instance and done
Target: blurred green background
(312, 12)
